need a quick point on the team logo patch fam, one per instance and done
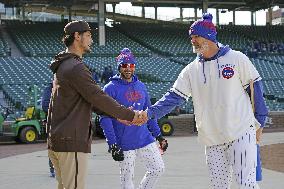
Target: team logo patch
(133, 96)
(228, 72)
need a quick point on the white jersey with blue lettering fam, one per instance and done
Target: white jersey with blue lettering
(222, 107)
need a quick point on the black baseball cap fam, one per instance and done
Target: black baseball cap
(76, 26)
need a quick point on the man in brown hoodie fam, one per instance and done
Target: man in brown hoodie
(74, 95)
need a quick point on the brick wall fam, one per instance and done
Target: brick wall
(184, 124)
(275, 121)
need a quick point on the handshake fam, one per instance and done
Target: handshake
(139, 118)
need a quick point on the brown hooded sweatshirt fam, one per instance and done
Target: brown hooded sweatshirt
(74, 95)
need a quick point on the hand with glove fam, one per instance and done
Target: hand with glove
(117, 153)
(163, 143)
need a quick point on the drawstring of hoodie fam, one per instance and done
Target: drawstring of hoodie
(202, 60)
(221, 52)
(203, 67)
(218, 67)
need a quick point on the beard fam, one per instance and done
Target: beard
(87, 49)
(199, 49)
(195, 49)
(126, 76)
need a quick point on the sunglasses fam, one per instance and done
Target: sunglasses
(127, 65)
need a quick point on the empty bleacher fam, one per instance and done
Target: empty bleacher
(18, 73)
(44, 39)
(234, 38)
(164, 39)
(162, 51)
(260, 33)
(37, 39)
(4, 46)
(24, 70)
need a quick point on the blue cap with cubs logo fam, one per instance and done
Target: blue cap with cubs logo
(204, 28)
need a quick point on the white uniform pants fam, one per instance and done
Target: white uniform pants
(239, 157)
(151, 158)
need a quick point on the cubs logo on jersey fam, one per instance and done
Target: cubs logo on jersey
(228, 72)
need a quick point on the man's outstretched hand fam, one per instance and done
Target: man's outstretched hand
(139, 119)
(143, 116)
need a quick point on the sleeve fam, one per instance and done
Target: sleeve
(165, 105)
(107, 126)
(82, 81)
(247, 71)
(46, 98)
(106, 122)
(261, 111)
(179, 93)
(182, 85)
(152, 123)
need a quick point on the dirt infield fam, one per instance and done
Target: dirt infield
(12, 149)
(272, 155)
